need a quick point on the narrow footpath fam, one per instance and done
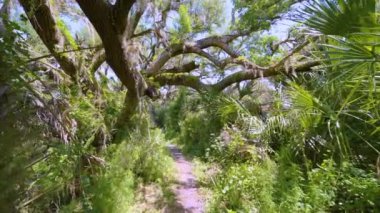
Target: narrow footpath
(186, 191)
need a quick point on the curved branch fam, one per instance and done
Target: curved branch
(98, 59)
(101, 15)
(59, 53)
(260, 73)
(184, 79)
(180, 80)
(185, 68)
(251, 70)
(121, 10)
(142, 33)
(44, 23)
(99, 12)
(204, 54)
(194, 47)
(136, 19)
(294, 51)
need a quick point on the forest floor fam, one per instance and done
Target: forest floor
(187, 198)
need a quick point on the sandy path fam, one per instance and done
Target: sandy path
(186, 191)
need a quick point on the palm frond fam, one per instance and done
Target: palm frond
(340, 17)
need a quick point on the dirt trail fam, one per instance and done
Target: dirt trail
(186, 192)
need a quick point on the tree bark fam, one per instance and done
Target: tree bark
(110, 21)
(40, 14)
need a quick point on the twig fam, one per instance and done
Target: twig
(58, 53)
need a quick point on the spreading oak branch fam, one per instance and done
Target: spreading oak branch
(250, 71)
(116, 26)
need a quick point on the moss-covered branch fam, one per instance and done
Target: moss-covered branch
(49, 29)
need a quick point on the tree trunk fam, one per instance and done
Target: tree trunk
(126, 122)
(110, 21)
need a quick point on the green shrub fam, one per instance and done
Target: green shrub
(113, 191)
(138, 158)
(359, 190)
(321, 187)
(344, 189)
(283, 186)
(288, 193)
(231, 147)
(145, 156)
(173, 114)
(197, 132)
(245, 187)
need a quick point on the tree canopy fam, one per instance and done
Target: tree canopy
(147, 50)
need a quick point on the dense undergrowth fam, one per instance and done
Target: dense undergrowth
(275, 161)
(48, 132)
(314, 146)
(138, 159)
(72, 178)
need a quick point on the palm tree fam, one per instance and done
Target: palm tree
(345, 98)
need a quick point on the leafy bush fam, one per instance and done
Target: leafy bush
(111, 188)
(173, 114)
(196, 133)
(244, 187)
(231, 147)
(146, 156)
(281, 186)
(359, 190)
(113, 191)
(20, 129)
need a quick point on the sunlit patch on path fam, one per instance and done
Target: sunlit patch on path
(187, 198)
